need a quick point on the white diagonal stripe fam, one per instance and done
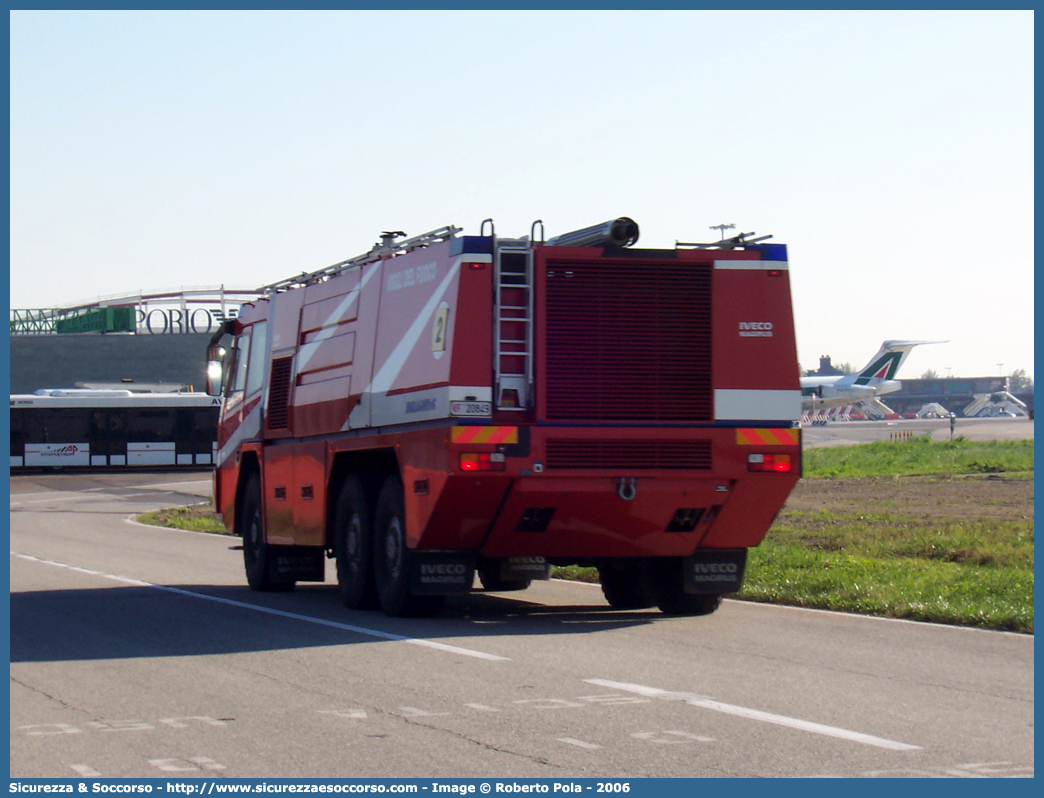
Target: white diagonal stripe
(757, 714)
(328, 327)
(384, 378)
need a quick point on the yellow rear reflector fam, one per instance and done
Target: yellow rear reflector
(484, 435)
(767, 436)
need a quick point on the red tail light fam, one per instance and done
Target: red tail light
(769, 462)
(481, 461)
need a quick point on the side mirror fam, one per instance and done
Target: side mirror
(215, 369)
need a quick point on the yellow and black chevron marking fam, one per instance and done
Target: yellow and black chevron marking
(484, 435)
(767, 436)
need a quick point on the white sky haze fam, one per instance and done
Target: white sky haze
(891, 151)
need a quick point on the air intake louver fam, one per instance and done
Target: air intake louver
(279, 394)
(628, 340)
(629, 455)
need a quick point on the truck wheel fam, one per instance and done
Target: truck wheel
(677, 602)
(255, 550)
(391, 558)
(489, 576)
(630, 587)
(353, 535)
(673, 598)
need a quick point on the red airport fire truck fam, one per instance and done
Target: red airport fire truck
(446, 405)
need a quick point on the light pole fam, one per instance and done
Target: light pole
(1000, 369)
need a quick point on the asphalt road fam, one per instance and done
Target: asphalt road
(139, 652)
(847, 433)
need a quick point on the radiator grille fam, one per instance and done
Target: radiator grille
(631, 455)
(279, 394)
(627, 340)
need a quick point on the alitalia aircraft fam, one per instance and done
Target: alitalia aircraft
(875, 379)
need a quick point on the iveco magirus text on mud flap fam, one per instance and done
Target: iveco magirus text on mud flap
(446, 404)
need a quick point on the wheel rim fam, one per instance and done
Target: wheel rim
(393, 549)
(353, 543)
(254, 533)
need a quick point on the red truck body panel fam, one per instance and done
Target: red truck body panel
(617, 397)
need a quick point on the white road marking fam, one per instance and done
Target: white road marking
(467, 652)
(194, 763)
(59, 728)
(971, 771)
(482, 707)
(413, 712)
(56, 492)
(657, 737)
(85, 770)
(206, 484)
(206, 763)
(354, 714)
(993, 769)
(614, 698)
(547, 703)
(756, 714)
(115, 492)
(580, 743)
(856, 617)
(120, 725)
(177, 724)
(53, 498)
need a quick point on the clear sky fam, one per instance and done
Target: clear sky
(892, 151)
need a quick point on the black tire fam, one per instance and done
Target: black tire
(633, 586)
(353, 547)
(391, 558)
(680, 603)
(255, 550)
(489, 576)
(675, 601)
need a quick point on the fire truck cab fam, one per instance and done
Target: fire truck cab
(447, 405)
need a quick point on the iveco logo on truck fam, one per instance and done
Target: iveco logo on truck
(755, 329)
(716, 568)
(445, 406)
(442, 568)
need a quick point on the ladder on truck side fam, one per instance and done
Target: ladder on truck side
(513, 317)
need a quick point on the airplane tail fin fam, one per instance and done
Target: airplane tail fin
(885, 364)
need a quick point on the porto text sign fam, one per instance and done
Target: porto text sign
(181, 321)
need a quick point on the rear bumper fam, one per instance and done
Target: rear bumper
(578, 517)
(588, 492)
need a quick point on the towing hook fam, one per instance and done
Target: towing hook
(627, 488)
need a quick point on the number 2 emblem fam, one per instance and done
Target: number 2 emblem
(438, 332)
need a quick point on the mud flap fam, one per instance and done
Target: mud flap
(515, 568)
(296, 564)
(715, 571)
(434, 573)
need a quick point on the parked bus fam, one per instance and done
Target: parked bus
(89, 428)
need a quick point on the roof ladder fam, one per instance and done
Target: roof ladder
(386, 248)
(513, 315)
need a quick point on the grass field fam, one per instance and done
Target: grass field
(977, 573)
(965, 558)
(920, 457)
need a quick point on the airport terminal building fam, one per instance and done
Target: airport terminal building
(156, 340)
